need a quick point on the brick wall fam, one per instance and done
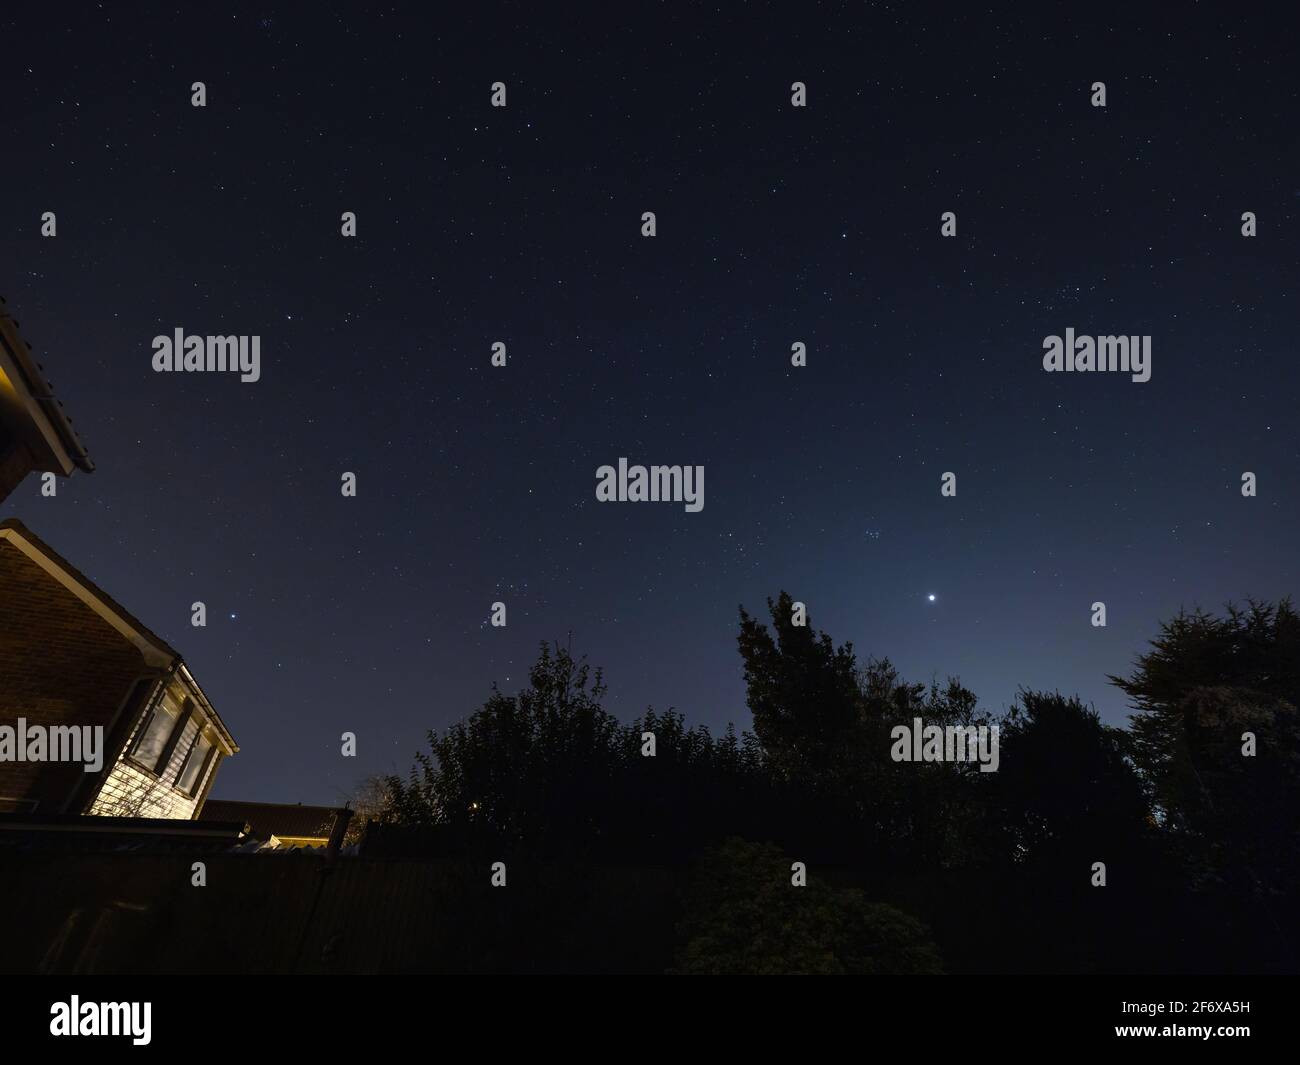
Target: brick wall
(60, 664)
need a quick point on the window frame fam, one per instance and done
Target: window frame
(159, 769)
(203, 768)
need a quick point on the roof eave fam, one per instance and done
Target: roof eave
(63, 447)
(228, 741)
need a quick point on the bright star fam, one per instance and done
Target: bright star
(932, 597)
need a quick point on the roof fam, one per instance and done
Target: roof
(29, 833)
(76, 832)
(18, 530)
(156, 652)
(267, 819)
(27, 402)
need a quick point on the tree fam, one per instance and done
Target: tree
(1065, 793)
(693, 792)
(549, 770)
(369, 801)
(744, 915)
(532, 768)
(1206, 684)
(802, 692)
(931, 812)
(824, 724)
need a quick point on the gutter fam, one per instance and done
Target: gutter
(40, 389)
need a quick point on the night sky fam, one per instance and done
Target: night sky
(775, 225)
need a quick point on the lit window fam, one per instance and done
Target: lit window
(195, 766)
(153, 742)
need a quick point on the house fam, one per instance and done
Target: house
(82, 676)
(35, 434)
(281, 825)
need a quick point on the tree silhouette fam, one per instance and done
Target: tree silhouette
(825, 728)
(1194, 832)
(532, 768)
(1065, 792)
(802, 692)
(549, 770)
(1207, 683)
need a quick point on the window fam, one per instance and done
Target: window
(195, 767)
(154, 740)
